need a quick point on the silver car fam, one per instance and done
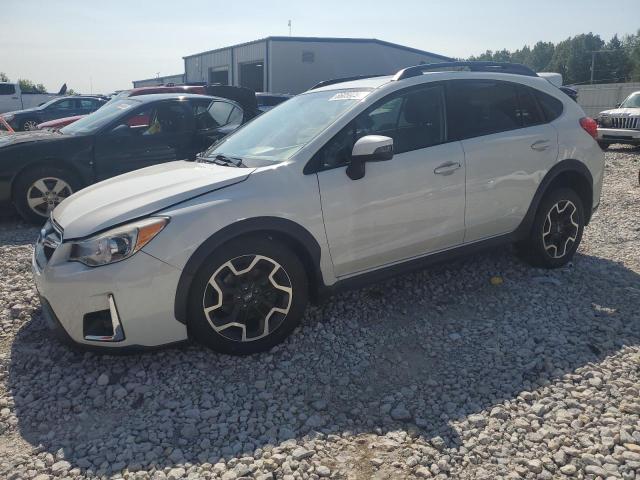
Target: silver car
(348, 182)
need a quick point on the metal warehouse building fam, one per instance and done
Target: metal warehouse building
(294, 64)
(152, 82)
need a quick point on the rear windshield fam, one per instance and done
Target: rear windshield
(101, 117)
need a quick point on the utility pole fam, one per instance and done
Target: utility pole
(289, 27)
(593, 61)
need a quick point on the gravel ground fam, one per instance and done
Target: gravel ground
(439, 374)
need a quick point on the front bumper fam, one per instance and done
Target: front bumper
(618, 135)
(140, 291)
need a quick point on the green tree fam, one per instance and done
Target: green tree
(615, 61)
(3, 77)
(541, 55)
(631, 44)
(572, 58)
(29, 86)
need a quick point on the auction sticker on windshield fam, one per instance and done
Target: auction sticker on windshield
(350, 95)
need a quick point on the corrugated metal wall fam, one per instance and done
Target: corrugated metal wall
(197, 67)
(295, 66)
(152, 82)
(595, 98)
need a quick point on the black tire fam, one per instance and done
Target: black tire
(546, 251)
(29, 124)
(604, 145)
(242, 252)
(24, 182)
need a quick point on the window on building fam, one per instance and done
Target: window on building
(219, 77)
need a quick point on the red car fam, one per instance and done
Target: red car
(63, 122)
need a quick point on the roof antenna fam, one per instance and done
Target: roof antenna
(289, 27)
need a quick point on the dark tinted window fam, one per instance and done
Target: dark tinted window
(552, 107)
(530, 111)
(88, 104)
(481, 107)
(7, 89)
(413, 119)
(66, 104)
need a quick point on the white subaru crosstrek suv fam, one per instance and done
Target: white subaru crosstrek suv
(350, 181)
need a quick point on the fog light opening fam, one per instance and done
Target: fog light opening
(103, 325)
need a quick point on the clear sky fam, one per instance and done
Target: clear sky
(108, 43)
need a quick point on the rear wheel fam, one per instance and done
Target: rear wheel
(248, 296)
(557, 230)
(38, 191)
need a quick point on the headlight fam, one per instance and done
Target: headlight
(604, 120)
(9, 117)
(117, 244)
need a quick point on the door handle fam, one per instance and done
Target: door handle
(540, 145)
(446, 168)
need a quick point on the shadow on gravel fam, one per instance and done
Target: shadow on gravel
(433, 347)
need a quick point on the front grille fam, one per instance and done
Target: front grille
(50, 238)
(625, 122)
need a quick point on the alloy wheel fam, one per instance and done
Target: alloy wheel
(30, 125)
(247, 298)
(45, 194)
(560, 230)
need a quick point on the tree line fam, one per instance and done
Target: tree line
(616, 61)
(30, 87)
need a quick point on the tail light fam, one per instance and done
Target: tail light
(590, 126)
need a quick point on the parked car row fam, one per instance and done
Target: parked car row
(40, 169)
(349, 182)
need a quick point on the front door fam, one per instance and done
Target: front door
(408, 206)
(156, 133)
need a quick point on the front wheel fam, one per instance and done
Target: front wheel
(557, 230)
(248, 296)
(29, 125)
(38, 191)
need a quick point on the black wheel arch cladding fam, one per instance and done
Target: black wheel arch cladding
(296, 236)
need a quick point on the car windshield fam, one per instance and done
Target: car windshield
(632, 101)
(278, 134)
(100, 118)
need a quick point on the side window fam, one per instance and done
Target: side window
(165, 118)
(552, 107)
(482, 107)
(7, 89)
(414, 120)
(68, 104)
(87, 104)
(235, 117)
(530, 111)
(204, 120)
(220, 112)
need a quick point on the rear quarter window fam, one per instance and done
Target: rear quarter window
(551, 107)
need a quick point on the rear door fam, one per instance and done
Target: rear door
(88, 105)
(508, 147)
(154, 133)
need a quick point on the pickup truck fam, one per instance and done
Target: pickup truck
(13, 98)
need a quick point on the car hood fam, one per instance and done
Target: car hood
(28, 137)
(140, 193)
(60, 121)
(20, 112)
(623, 112)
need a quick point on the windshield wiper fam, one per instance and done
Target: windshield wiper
(221, 159)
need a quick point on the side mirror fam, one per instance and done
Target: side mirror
(122, 130)
(372, 148)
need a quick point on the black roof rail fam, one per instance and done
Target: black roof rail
(324, 83)
(497, 67)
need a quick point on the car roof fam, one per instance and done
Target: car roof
(166, 96)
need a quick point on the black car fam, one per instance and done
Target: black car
(28, 119)
(266, 101)
(40, 169)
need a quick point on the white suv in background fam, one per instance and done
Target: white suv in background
(350, 181)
